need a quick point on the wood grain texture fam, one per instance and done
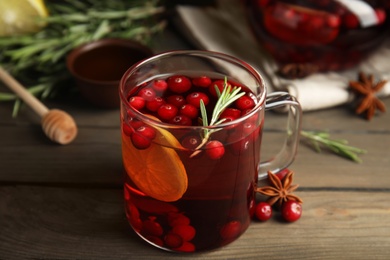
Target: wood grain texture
(65, 202)
(64, 223)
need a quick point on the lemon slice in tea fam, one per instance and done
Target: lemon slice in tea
(157, 171)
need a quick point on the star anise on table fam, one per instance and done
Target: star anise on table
(366, 90)
(279, 191)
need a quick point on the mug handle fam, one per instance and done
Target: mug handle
(283, 100)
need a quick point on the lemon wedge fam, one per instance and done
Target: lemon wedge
(21, 16)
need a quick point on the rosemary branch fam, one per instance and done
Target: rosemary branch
(38, 59)
(338, 146)
(228, 95)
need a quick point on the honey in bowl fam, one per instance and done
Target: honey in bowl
(98, 67)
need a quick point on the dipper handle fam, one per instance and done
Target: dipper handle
(58, 125)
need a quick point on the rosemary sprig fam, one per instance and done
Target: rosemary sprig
(338, 146)
(38, 59)
(225, 99)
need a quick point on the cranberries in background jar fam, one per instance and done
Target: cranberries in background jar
(325, 34)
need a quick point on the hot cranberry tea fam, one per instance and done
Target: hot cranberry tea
(190, 187)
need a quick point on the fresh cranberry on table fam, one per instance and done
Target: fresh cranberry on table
(291, 210)
(263, 211)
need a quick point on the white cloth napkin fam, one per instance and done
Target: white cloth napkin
(224, 28)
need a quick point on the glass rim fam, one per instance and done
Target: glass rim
(261, 97)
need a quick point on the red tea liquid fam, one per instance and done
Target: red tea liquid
(217, 205)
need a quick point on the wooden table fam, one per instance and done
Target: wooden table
(65, 202)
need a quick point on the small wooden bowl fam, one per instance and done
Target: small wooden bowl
(98, 66)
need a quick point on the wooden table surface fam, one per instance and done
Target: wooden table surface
(65, 202)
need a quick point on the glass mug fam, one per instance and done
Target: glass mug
(190, 186)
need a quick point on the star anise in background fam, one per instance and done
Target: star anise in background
(279, 191)
(366, 91)
(296, 70)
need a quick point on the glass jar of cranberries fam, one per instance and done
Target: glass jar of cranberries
(327, 34)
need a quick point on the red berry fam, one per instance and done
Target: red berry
(231, 112)
(186, 247)
(351, 21)
(263, 211)
(127, 130)
(173, 240)
(146, 131)
(291, 210)
(282, 173)
(202, 81)
(195, 97)
(167, 111)
(175, 219)
(231, 230)
(154, 104)
(137, 102)
(179, 84)
(189, 110)
(139, 141)
(244, 103)
(160, 85)
(186, 232)
(220, 84)
(381, 15)
(181, 120)
(191, 142)
(151, 227)
(147, 93)
(155, 240)
(176, 100)
(215, 150)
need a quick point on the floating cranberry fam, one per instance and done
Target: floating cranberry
(137, 102)
(147, 94)
(380, 15)
(181, 120)
(263, 211)
(175, 219)
(134, 217)
(186, 232)
(291, 210)
(189, 110)
(186, 247)
(127, 130)
(155, 240)
(167, 111)
(231, 230)
(194, 99)
(215, 150)
(176, 100)
(135, 124)
(351, 21)
(202, 81)
(154, 104)
(219, 84)
(146, 131)
(151, 227)
(179, 84)
(139, 141)
(244, 103)
(173, 240)
(231, 112)
(191, 142)
(160, 85)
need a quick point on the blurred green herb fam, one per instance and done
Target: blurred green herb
(38, 60)
(340, 147)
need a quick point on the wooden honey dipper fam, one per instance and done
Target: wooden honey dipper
(58, 125)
